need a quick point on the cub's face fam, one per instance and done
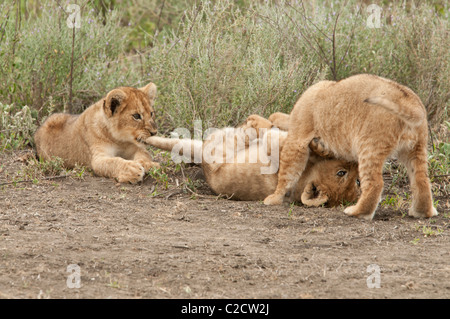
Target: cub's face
(332, 182)
(130, 113)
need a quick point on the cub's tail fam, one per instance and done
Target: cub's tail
(410, 111)
(186, 147)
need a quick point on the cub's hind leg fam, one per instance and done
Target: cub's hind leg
(45, 136)
(417, 166)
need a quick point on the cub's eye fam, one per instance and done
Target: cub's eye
(358, 183)
(137, 116)
(341, 173)
(152, 114)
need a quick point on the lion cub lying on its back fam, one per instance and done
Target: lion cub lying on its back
(105, 136)
(226, 161)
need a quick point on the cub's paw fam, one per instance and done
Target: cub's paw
(280, 120)
(257, 122)
(132, 172)
(318, 147)
(355, 212)
(414, 213)
(274, 199)
(148, 164)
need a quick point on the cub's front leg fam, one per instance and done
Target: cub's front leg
(124, 171)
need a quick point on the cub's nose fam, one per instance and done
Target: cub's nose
(153, 133)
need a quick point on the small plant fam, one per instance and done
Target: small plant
(428, 231)
(36, 169)
(78, 171)
(389, 201)
(17, 127)
(192, 184)
(114, 284)
(154, 191)
(159, 176)
(395, 201)
(439, 160)
(291, 209)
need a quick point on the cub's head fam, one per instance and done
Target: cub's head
(332, 182)
(130, 113)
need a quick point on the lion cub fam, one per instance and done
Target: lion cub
(364, 118)
(226, 161)
(105, 137)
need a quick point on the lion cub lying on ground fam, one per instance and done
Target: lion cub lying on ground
(105, 136)
(226, 157)
(363, 118)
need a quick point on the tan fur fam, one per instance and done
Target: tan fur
(243, 180)
(280, 120)
(364, 118)
(105, 137)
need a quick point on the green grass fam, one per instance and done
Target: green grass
(217, 61)
(291, 210)
(160, 177)
(37, 170)
(17, 126)
(224, 63)
(36, 56)
(439, 159)
(391, 201)
(429, 231)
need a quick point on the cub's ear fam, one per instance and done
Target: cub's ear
(150, 90)
(113, 101)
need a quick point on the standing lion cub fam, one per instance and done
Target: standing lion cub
(105, 137)
(364, 118)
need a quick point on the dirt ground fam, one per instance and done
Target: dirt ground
(128, 243)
